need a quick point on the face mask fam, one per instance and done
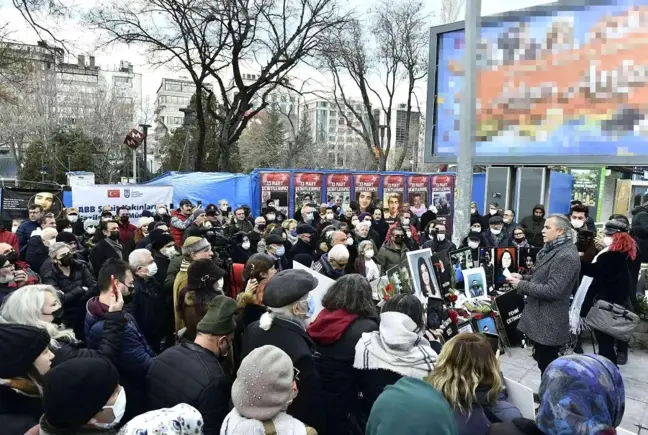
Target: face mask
(293, 233)
(12, 257)
(114, 235)
(492, 212)
(608, 240)
(355, 222)
(329, 216)
(220, 283)
(91, 230)
(399, 239)
(73, 218)
(309, 216)
(207, 224)
(495, 232)
(369, 253)
(473, 245)
(57, 314)
(14, 228)
(170, 251)
(577, 223)
(349, 241)
(67, 260)
(223, 208)
(537, 218)
(441, 237)
(67, 230)
(507, 220)
(152, 269)
(406, 221)
(476, 229)
(118, 410)
(311, 306)
(280, 251)
(123, 218)
(270, 217)
(245, 245)
(161, 211)
(473, 210)
(519, 239)
(409, 234)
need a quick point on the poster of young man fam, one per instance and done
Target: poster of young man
(338, 189)
(393, 191)
(526, 260)
(366, 191)
(417, 193)
(505, 265)
(476, 284)
(308, 189)
(16, 202)
(275, 186)
(460, 260)
(487, 261)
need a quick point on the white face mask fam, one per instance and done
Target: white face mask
(369, 253)
(476, 229)
(492, 212)
(118, 410)
(170, 251)
(473, 245)
(473, 210)
(152, 269)
(408, 234)
(349, 241)
(355, 222)
(73, 218)
(245, 245)
(577, 223)
(207, 224)
(495, 231)
(91, 230)
(608, 240)
(441, 237)
(67, 230)
(14, 228)
(161, 211)
(329, 216)
(406, 221)
(507, 220)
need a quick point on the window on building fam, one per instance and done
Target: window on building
(117, 80)
(173, 86)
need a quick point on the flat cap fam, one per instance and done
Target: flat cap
(287, 287)
(305, 229)
(495, 220)
(273, 238)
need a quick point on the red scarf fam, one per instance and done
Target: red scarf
(330, 326)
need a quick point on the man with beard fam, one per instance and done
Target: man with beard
(534, 224)
(181, 219)
(305, 243)
(108, 247)
(126, 229)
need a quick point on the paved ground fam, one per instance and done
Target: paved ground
(518, 365)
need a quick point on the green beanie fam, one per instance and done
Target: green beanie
(219, 319)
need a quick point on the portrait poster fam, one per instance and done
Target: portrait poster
(505, 265)
(393, 191)
(423, 276)
(527, 260)
(460, 259)
(435, 313)
(487, 261)
(399, 276)
(417, 193)
(510, 306)
(366, 190)
(476, 285)
(486, 324)
(442, 189)
(276, 186)
(16, 202)
(465, 328)
(448, 329)
(338, 189)
(308, 189)
(442, 271)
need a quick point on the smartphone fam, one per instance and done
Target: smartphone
(199, 204)
(493, 339)
(113, 286)
(171, 207)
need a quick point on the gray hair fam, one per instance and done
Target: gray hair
(564, 224)
(286, 313)
(56, 247)
(25, 306)
(364, 245)
(137, 258)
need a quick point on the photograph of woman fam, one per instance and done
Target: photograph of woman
(504, 266)
(428, 281)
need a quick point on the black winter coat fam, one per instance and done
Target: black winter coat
(491, 242)
(100, 253)
(74, 296)
(334, 364)
(371, 384)
(148, 308)
(301, 247)
(188, 373)
(611, 280)
(533, 229)
(36, 253)
(18, 413)
(292, 339)
(109, 346)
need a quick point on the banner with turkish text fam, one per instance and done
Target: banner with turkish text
(275, 186)
(16, 202)
(393, 191)
(417, 193)
(442, 187)
(308, 189)
(338, 189)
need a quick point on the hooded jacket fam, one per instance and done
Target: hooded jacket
(533, 227)
(390, 256)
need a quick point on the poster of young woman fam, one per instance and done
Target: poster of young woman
(422, 272)
(308, 189)
(366, 190)
(393, 191)
(505, 265)
(338, 189)
(526, 260)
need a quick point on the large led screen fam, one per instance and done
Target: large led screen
(571, 83)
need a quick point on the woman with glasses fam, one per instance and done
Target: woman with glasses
(519, 238)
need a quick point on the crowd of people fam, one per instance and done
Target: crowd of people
(195, 321)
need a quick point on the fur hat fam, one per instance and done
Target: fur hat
(194, 244)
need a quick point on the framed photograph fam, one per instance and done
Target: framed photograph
(505, 265)
(487, 261)
(423, 275)
(486, 325)
(527, 260)
(435, 310)
(399, 276)
(465, 328)
(448, 329)
(476, 284)
(442, 272)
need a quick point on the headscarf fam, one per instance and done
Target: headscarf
(182, 419)
(581, 395)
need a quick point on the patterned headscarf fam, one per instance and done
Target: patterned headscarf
(581, 395)
(182, 419)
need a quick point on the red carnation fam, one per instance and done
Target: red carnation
(477, 316)
(454, 317)
(452, 298)
(493, 314)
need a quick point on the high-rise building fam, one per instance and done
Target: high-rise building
(399, 128)
(172, 95)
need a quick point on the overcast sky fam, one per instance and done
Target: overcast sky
(82, 41)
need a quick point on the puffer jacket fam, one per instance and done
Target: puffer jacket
(179, 223)
(390, 256)
(533, 227)
(74, 295)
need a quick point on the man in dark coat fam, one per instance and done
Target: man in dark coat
(545, 319)
(534, 224)
(30, 225)
(286, 296)
(108, 247)
(305, 243)
(197, 373)
(440, 241)
(495, 236)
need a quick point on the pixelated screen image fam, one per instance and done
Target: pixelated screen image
(571, 83)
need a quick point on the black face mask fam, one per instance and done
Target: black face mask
(399, 239)
(67, 260)
(114, 235)
(520, 239)
(261, 227)
(58, 315)
(123, 218)
(12, 257)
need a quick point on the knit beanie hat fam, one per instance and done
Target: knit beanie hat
(194, 244)
(198, 213)
(20, 345)
(159, 239)
(203, 272)
(90, 223)
(144, 221)
(76, 390)
(66, 237)
(219, 319)
(56, 247)
(264, 383)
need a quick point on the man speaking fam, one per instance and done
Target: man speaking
(545, 319)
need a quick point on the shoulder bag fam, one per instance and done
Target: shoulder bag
(612, 319)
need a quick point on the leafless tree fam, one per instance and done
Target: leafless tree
(451, 10)
(222, 39)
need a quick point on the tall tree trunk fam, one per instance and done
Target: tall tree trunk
(202, 131)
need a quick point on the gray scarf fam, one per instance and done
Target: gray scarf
(556, 243)
(116, 246)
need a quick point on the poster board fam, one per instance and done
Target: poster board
(442, 188)
(276, 186)
(418, 187)
(366, 187)
(423, 275)
(338, 189)
(307, 185)
(16, 202)
(476, 286)
(510, 306)
(527, 259)
(393, 192)
(521, 397)
(505, 264)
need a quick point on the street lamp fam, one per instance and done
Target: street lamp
(188, 120)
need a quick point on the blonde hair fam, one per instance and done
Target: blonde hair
(466, 362)
(25, 306)
(269, 229)
(287, 223)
